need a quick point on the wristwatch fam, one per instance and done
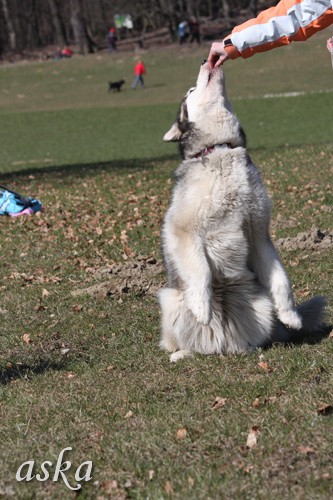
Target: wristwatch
(230, 48)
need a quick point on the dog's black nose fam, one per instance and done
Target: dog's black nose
(204, 61)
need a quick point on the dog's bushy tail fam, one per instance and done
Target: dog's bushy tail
(312, 312)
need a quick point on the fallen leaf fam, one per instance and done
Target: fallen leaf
(26, 338)
(270, 399)
(190, 481)
(256, 403)
(325, 410)
(252, 438)
(77, 308)
(305, 292)
(219, 403)
(181, 433)
(238, 463)
(265, 366)
(129, 414)
(331, 335)
(306, 450)
(45, 293)
(39, 307)
(109, 486)
(151, 474)
(168, 488)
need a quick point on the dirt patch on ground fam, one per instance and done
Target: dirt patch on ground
(315, 239)
(143, 276)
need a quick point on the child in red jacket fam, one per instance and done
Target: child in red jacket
(139, 71)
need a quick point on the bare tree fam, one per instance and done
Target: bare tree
(60, 38)
(31, 24)
(78, 25)
(10, 27)
(253, 5)
(226, 8)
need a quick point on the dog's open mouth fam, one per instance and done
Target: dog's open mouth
(210, 71)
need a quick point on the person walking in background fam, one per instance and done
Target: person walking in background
(194, 30)
(139, 71)
(112, 39)
(182, 32)
(288, 21)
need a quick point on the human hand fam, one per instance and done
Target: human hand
(217, 55)
(329, 45)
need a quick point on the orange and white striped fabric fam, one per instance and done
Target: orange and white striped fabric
(288, 21)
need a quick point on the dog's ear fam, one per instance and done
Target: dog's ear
(173, 135)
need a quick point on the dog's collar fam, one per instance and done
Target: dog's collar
(209, 149)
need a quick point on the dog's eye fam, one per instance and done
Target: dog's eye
(191, 90)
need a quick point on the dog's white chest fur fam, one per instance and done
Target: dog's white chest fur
(208, 187)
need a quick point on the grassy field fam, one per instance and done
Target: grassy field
(80, 365)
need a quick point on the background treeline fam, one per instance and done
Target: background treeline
(35, 24)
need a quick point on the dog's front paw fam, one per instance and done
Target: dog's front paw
(176, 356)
(201, 305)
(291, 319)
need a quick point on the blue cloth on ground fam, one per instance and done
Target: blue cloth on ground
(14, 203)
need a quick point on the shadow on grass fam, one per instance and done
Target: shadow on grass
(34, 364)
(25, 371)
(299, 338)
(88, 169)
(25, 363)
(310, 338)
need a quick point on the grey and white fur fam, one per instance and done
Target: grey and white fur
(227, 291)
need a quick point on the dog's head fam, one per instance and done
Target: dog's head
(205, 117)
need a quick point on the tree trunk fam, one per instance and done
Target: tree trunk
(10, 27)
(253, 4)
(226, 8)
(79, 30)
(210, 8)
(103, 12)
(59, 35)
(189, 8)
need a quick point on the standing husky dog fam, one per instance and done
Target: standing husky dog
(227, 290)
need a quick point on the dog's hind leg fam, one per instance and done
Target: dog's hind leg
(270, 272)
(177, 323)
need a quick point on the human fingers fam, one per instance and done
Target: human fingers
(216, 50)
(212, 58)
(221, 60)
